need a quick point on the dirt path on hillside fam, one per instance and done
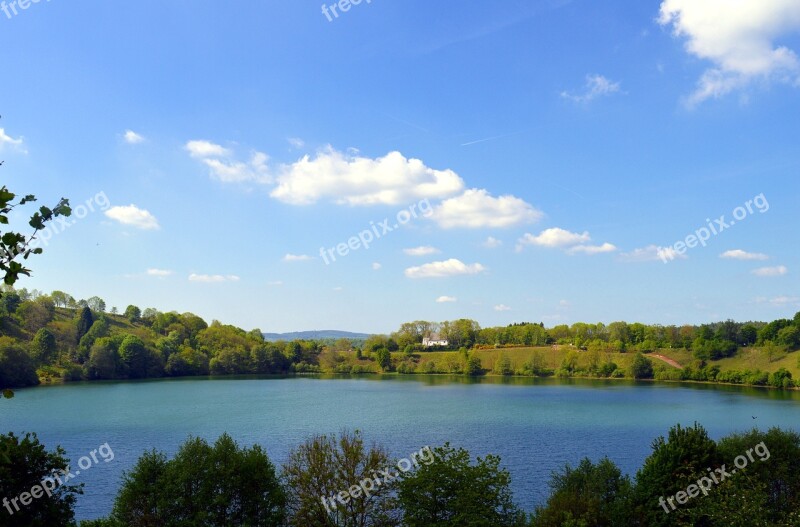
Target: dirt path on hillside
(669, 361)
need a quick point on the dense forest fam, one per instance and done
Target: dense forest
(54, 337)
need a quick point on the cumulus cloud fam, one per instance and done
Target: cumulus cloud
(502, 307)
(738, 38)
(224, 167)
(778, 270)
(738, 254)
(376, 266)
(297, 258)
(7, 140)
(203, 149)
(596, 86)
(132, 138)
(652, 253)
(592, 249)
(133, 216)
(452, 267)
(446, 299)
(351, 179)
(424, 250)
(213, 278)
(475, 209)
(159, 273)
(554, 237)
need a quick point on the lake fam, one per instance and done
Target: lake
(535, 425)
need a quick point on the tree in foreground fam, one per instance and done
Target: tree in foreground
(675, 463)
(589, 494)
(325, 466)
(24, 464)
(204, 485)
(454, 492)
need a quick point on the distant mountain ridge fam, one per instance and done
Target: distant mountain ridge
(316, 335)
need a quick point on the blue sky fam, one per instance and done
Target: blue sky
(559, 144)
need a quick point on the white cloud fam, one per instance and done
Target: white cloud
(204, 149)
(213, 278)
(443, 269)
(738, 254)
(159, 273)
(446, 299)
(502, 307)
(350, 179)
(338, 289)
(376, 266)
(779, 301)
(476, 209)
(779, 270)
(275, 283)
(424, 250)
(492, 243)
(132, 138)
(554, 237)
(297, 258)
(296, 142)
(738, 38)
(652, 253)
(596, 86)
(223, 167)
(592, 249)
(133, 216)
(6, 139)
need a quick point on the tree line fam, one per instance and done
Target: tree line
(222, 484)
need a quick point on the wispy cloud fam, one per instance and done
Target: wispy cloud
(492, 243)
(446, 300)
(376, 266)
(452, 267)
(592, 249)
(159, 273)
(738, 254)
(297, 258)
(133, 216)
(778, 270)
(7, 140)
(213, 278)
(502, 307)
(132, 138)
(652, 253)
(596, 86)
(424, 250)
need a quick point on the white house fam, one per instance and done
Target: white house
(434, 340)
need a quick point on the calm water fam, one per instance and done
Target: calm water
(536, 426)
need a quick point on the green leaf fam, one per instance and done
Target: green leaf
(8, 394)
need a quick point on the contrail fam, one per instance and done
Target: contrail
(492, 138)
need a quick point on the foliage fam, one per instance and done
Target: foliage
(454, 492)
(589, 494)
(26, 464)
(203, 485)
(324, 466)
